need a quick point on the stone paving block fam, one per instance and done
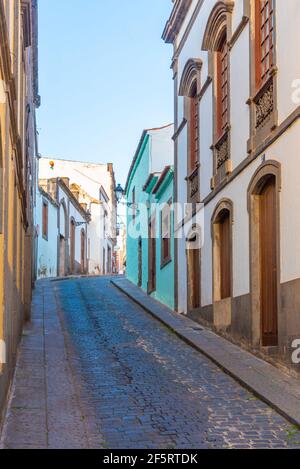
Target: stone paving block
(114, 377)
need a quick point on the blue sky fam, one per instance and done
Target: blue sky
(104, 76)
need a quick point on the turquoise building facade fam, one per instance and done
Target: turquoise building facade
(150, 223)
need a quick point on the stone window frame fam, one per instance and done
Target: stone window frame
(191, 83)
(266, 169)
(218, 24)
(223, 205)
(263, 99)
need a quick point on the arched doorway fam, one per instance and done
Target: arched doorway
(222, 221)
(72, 246)
(263, 206)
(268, 263)
(82, 250)
(193, 268)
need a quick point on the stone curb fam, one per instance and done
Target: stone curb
(265, 381)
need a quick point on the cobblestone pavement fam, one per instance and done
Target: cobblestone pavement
(111, 376)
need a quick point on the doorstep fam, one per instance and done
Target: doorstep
(267, 382)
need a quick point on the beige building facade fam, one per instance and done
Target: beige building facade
(18, 101)
(237, 132)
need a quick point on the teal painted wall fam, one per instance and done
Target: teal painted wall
(139, 177)
(164, 276)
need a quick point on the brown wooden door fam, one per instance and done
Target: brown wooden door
(72, 247)
(225, 256)
(82, 251)
(140, 265)
(268, 253)
(194, 278)
(152, 257)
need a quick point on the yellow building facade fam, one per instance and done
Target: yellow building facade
(18, 101)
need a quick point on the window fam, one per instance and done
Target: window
(166, 234)
(133, 206)
(222, 88)
(45, 219)
(264, 31)
(193, 129)
(151, 255)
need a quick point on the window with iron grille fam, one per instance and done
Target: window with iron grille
(194, 128)
(264, 39)
(222, 88)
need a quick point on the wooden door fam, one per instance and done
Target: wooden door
(151, 256)
(225, 256)
(194, 278)
(268, 258)
(62, 257)
(140, 262)
(72, 247)
(82, 251)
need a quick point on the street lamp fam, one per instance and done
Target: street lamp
(119, 191)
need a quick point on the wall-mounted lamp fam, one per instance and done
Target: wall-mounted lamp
(119, 191)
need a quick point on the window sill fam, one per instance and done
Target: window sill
(165, 262)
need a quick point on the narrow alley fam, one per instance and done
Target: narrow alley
(96, 371)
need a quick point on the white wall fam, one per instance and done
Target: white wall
(73, 212)
(90, 177)
(285, 149)
(46, 248)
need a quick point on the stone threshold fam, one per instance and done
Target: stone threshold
(264, 380)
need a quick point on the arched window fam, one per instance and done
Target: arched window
(193, 128)
(264, 40)
(215, 41)
(263, 100)
(190, 85)
(222, 250)
(222, 87)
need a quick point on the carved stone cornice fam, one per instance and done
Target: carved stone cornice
(176, 19)
(190, 73)
(216, 22)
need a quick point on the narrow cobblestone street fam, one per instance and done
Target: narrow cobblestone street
(96, 371)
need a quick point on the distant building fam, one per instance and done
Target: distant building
(149, 193)
(62, 227)
(93, 185)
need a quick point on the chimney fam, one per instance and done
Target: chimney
(52, 188)
(66, 181)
